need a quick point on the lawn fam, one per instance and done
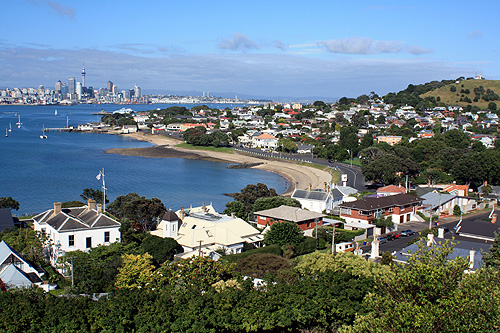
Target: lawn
(207, 148)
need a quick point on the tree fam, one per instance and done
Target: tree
(251, 193)
(457, 139)
(492, 106)
(8, 202)
(457, 211)
(144, 212)
(161, 249)
(387, 258)
(90, 193)
(273, 202)
(259, 265)
(319, 105)
(198, 272)
(236, 207)
(75, 203)
(383, 222)
(432, 293)
(283, 233)
(28, 242)
(136, 271)
(492, 257)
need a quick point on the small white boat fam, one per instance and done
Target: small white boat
(10, 127)
(19, 123)
(43, 136)
(55, 113)
(6, 132)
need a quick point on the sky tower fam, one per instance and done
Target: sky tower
(83, 76)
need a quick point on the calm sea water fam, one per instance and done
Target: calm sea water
(39, 172)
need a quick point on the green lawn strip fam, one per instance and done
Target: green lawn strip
(214, 149)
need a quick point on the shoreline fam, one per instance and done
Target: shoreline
(297, 176)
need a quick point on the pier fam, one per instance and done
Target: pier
(59, 129)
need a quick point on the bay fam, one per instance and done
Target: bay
(38, 172)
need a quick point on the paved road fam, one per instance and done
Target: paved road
(354, 176)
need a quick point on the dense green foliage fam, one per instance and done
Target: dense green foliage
(273, 202)
(197, 136)
(142, 211)
(8, 202)
(245, 199)
(90, 193)
(283, 233)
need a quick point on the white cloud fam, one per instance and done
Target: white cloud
(278, 74)
(476, 34)
(280, 45)
(363, 45)
(56, 7)
(239, 42)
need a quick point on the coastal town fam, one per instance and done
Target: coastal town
(373, 180)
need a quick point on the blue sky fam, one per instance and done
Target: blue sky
(263, 48)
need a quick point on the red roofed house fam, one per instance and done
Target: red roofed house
(265, 141)
(460, 190)
(391, 190)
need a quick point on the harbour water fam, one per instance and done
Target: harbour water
(38, 172)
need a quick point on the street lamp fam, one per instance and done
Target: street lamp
(350, 152)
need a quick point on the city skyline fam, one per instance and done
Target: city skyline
(274, 49)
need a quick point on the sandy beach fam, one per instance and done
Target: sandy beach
(299, 176)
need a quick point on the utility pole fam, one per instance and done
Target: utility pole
(333, 240)
(199, 251)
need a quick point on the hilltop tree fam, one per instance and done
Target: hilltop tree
(273, 202)
(144, 212)
(90, 193)
(8, 202)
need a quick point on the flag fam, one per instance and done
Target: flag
(98, 176)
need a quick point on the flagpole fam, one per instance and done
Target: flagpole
(103, 192)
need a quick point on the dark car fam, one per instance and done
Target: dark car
(382, 240)
(407, 232)
(393, 235)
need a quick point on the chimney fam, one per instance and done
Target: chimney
(430, 239)
(494, 218)
(233, 215)
(310, 187)
(204, 208)
(441, 233)
(182, 214)
(472, 256)
(99, 208)
(326, 186)
(91, 204)
(57, 208)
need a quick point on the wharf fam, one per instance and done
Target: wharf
(59, 129)
(101, 113)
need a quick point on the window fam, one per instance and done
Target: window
(391, 209)
(43, 231)
(89, 242)
(106, 237)
(71, 240)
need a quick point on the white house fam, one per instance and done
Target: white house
(266, 141)
(15, 271)
(77, 228)
(201, 230)
(316, 200)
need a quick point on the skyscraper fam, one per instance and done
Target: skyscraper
(110, 86)
(59, 85)
(83, 76)
(137, 92)
(71, 85)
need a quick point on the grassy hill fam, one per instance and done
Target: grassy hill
(450, 97)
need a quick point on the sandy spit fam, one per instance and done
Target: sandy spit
(299, 176)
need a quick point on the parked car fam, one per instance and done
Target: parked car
(393, 235)
(382, 240)
(407, 232)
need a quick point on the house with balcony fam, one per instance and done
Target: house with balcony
(400, 208)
